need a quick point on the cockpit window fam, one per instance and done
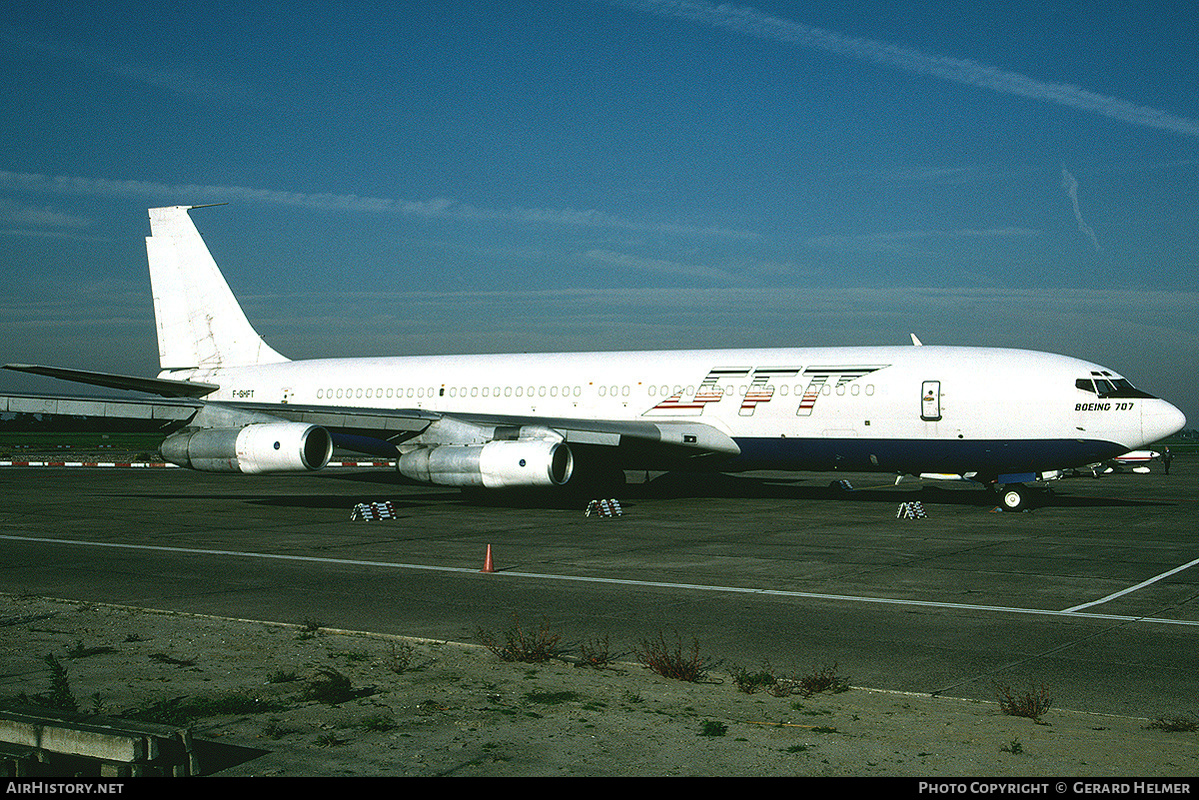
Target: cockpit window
(1107, 385)
(1123, 388)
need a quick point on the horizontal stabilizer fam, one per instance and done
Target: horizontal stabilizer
(158, 386)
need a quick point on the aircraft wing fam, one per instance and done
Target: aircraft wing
(158, 386)
(168, 414)
(693, 439)
(147, 414)
(381, 431)
(671, 438)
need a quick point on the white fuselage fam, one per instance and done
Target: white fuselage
(903, 409)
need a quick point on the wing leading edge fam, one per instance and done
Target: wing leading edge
(159, 386)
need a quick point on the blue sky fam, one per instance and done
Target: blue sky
(523, 176)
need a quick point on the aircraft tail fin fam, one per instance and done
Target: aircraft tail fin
(200, 323)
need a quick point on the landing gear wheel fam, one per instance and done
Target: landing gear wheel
(1014, 497)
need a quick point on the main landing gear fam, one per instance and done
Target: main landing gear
(1018, 496)
(1013, 496)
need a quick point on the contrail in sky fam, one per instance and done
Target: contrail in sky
(751, 22)
(436, 208)
(1070, 184)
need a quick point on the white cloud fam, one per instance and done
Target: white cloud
(895, 240)
(180, 81)
(436, 208)
(752, 22)
(13, 213)
(663, 267)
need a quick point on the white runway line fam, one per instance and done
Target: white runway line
(1132, 589)
(1068, 613)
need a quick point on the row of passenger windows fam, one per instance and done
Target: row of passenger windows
(421, 392)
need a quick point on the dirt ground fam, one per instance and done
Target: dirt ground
(427, 708)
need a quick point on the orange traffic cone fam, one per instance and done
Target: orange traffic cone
(487, 565)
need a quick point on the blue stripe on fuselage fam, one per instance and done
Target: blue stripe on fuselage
(910, 456)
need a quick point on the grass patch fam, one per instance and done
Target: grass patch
(1032, 703)
(60, 697)
(79, 651)
(551, 698)
(675, 663)
(1175, 724)
(401, 657)
(163, 658)
(330, 740)
(309, 628)
(596, 654)
(751, 682)
(379, 723)
(185, 710)
(519, 645)
(822, 679)
(332, 688)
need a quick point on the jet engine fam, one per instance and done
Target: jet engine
(496, 465)
(260, 447)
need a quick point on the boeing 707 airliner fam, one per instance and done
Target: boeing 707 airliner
(1001, 417)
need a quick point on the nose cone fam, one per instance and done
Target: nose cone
(1159, 419)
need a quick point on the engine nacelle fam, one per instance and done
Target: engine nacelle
(261, 447)
(495, 465)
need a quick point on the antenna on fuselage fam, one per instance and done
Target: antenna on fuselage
(916, 341)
